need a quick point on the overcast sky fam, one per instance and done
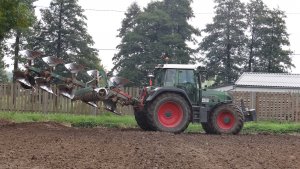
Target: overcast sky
(104, 19)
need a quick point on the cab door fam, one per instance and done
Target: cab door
(187, 81)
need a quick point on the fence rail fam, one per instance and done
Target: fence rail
(269, 106)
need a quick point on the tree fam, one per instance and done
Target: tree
(129, 22)
(35, 37)
(14, 14)
(65, 34)
(256, 19)
(3, 76)
(275, 58)
(161, 28)
(19, 17)
(267, 39)
(224, 41)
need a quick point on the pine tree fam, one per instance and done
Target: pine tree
(256, 19)
(275, 38)
(128, 44)
(35, 37)
(224, 41)
(161, 28)
(267, 39)
(65, 34)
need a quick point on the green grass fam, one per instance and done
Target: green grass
(271, 127)
(128, 121)
(106, 120)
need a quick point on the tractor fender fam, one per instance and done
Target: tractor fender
(218, 105)
(160, 90)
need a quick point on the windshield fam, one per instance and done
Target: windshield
(186, 76)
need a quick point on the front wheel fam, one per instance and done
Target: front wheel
(226, 119)
(208, 128)
(169, 112)
(141, 120)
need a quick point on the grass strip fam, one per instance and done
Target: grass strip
(128, 121)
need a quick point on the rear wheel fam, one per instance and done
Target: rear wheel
(226, 119)
(141, 120)
(169, 112)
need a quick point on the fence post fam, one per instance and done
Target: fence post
(297, 114)
(253, 100)
(44, 102)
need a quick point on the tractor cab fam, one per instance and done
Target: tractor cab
(178, 76)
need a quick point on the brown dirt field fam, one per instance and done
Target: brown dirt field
(52, 145)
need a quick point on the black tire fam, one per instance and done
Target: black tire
(226, 119)
(169, 112)
(207, 128)
(141, 120)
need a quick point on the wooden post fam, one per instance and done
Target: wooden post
(253, 100)
(297, 108)
(44, 103)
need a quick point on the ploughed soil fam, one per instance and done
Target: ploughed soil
(53, 145)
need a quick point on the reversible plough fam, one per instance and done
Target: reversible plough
(44, 71)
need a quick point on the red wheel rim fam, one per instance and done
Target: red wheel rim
(225, 120)
(170, 114)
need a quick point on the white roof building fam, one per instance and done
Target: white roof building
(268, 82)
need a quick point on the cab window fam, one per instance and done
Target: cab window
(170, 77)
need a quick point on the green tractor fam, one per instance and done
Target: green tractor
(176, 99)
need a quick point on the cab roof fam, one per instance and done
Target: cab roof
(177, 66)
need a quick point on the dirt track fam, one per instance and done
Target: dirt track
(52, 145)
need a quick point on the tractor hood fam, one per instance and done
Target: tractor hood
(211, 96)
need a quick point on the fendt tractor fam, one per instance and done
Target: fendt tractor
(171, 101)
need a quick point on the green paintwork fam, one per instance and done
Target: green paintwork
(215, 97)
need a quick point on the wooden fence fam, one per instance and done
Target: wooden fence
(40, 101)
(269, 106)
